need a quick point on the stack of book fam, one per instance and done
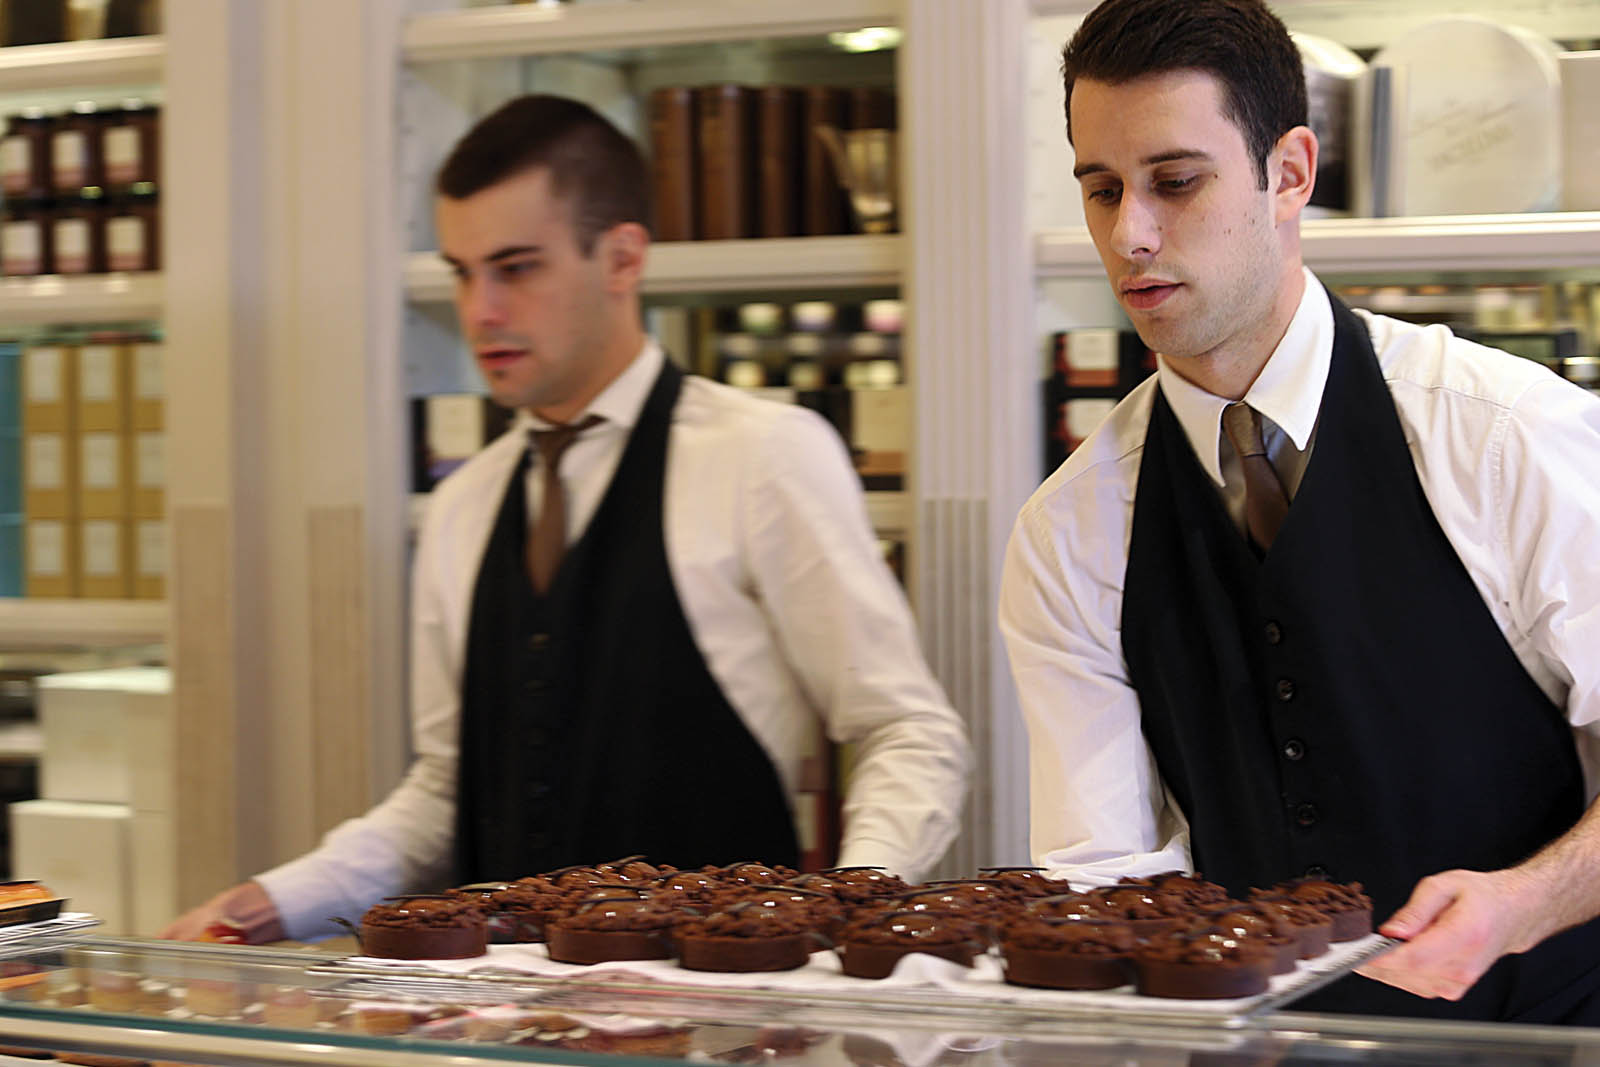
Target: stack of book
(736, 161)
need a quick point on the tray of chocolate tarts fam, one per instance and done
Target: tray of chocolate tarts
(1168, 944)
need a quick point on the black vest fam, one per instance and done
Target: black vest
(590, 726)
(1347, 705)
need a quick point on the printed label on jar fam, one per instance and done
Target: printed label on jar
(20, 248)
(125, 243)
(122, 154)
(14, 164)
(72, 246)
(67, 158)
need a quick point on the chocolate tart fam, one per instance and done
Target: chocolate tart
(1345, 904)
(1064, 953)
(748, 936)
(872, 947)
(1202, 966)
(424, 927)
(609, 928)
(1309, 926)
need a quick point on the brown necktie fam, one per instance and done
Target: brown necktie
(1265, 503)
(547, 540)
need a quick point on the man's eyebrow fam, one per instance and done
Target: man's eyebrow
(1083, 170)
(497, 255)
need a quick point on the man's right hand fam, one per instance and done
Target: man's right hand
(246, 908)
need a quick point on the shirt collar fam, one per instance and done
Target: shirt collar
(1287, 392)
(620, 402)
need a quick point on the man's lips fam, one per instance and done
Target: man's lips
(495, 357)
(1146, 293)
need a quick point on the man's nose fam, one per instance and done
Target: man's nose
(1137, 232)
(480, 303)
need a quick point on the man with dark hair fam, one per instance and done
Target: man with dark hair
(1319, 598)
(632, 613)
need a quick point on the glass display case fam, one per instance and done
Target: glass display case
(219, 1004)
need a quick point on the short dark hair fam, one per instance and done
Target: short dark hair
(591, 162)
(1239, 42)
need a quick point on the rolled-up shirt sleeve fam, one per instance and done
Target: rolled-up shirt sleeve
(1098, 807)
(846, 632)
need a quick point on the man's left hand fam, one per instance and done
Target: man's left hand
(1455, 926)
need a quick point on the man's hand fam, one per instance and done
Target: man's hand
(1456, 925)
(244, 913)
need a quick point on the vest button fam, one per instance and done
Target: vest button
(538, 640)
(1316, 870)
(1306, 815)
(1285, 690)
(1294, 749)
(1273, 633)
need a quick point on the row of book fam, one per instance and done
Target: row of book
(83, 484)
(736, 161)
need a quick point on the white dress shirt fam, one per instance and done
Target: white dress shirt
(1507, 454)
(779, 573)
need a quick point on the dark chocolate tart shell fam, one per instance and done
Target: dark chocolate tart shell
(783, 953)
(603, 946)
(1048, 969)
(424, 943)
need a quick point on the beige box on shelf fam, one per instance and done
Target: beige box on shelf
(51, 557)
(105, 475)
(150, 559)
(149, 387)
(49, 387)
(81, 851)
(103, 388)
(49, 474)
(107, 736)
(149, 473)
(1580, 134)
(880, 419)
(105, 562)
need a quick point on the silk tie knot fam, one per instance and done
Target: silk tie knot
(547, 540)
(1266, 505)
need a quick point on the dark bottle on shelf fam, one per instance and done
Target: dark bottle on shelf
(25, 238)
(33, 22)
(131, 145)
(75, 149)
(25, 154)
(133, 230)
(79, 239)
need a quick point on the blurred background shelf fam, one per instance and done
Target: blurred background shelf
(80, 298)
(51, 624)
(82, 64)
(519, 30)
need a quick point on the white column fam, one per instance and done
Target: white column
(977, 433)
(288, 455)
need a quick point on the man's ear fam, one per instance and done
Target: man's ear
(1293, 169)
(623, 250)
